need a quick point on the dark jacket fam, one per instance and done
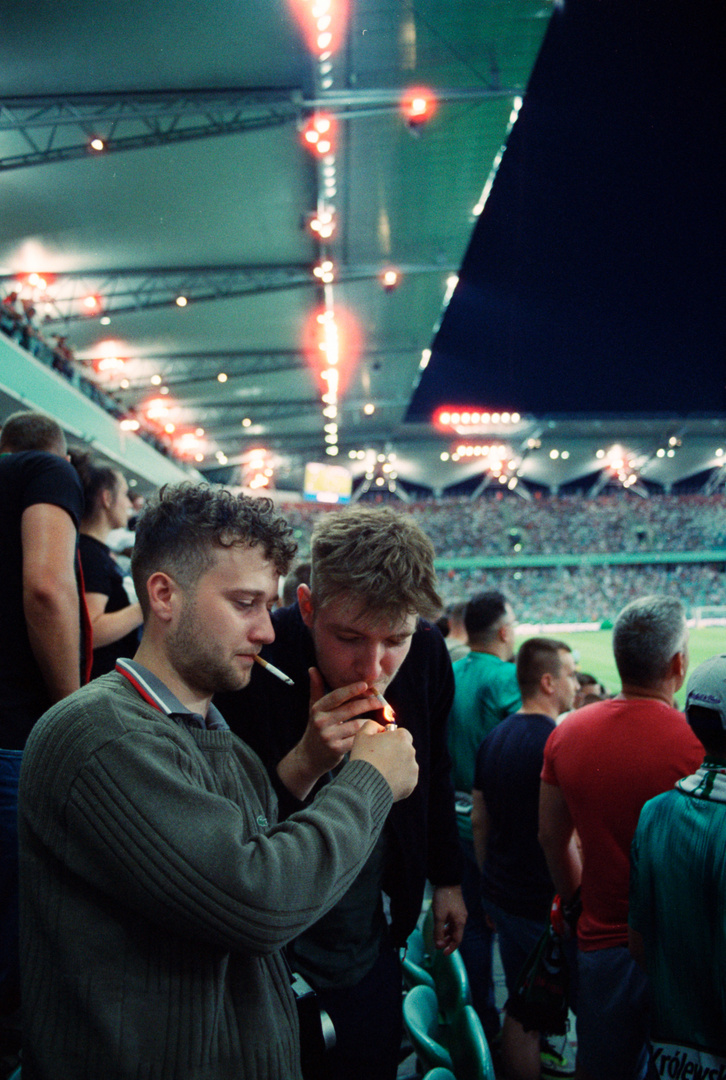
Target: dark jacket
(421, 830)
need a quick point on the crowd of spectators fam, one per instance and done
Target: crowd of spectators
(569, 526)
(559, 525)
(590, 594)
(552, 525)
(19, 322)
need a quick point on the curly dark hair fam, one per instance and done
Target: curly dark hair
(182, 524)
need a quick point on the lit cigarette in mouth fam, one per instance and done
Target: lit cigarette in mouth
(389, 716)
(273, 670)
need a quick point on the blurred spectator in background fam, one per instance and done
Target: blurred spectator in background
(114, 620)
(486, 689)
(588, 690)
(11, 309)
(486, 692)
(457, 641)
(121, 543)
(299, 575)
(41, 653)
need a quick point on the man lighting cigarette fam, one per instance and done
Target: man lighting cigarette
(355, 641)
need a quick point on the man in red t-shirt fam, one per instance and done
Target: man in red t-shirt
(600, 766)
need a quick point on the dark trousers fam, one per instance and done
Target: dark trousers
(477, 945)
(368, 1022)
(10, 761)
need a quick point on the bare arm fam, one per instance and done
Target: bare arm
(113, 625)
(557, 838)
(480, 826)
(332, 726)
(50, 596)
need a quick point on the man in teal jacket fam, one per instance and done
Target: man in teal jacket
(486, 692)
(677, 927)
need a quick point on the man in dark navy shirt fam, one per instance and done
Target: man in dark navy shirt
(517, 890)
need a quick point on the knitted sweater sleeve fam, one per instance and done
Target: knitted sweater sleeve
(182, 836)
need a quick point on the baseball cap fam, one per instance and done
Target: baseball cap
(707, 687)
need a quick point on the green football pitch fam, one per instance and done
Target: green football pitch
(595, 653)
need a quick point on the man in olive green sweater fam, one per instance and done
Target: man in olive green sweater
(157, 890)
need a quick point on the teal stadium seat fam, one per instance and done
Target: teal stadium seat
(415, 964)
(471, 1057)
(451, 983)
(439, 1074)
(421, 1019)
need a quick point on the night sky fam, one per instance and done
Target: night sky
(594, 280)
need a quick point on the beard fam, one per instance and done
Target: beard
(199, 663)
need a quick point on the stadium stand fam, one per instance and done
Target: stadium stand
(570, 559)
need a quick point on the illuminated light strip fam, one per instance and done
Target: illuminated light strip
(452, 281)
(324, 22)
(478, 209)
(457, 418)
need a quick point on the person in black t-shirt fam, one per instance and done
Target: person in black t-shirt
(114, 619)
(41, 653)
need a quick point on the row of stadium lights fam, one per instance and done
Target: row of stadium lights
(324, 31)
(325, 34)
(471, 417)
(190, 443)
(384, 462)
(324, 24)
(619, 462)
(186, 442)
(496, 459)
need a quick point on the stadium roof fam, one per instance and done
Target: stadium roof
(205, 192)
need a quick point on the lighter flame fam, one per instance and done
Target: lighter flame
(389, 716)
